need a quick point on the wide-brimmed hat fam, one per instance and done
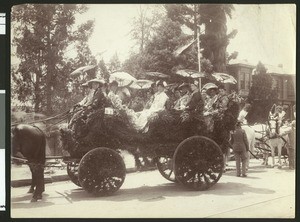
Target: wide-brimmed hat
(210, 85)
(96, 80)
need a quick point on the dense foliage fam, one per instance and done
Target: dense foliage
(42, 38)
(262, 95)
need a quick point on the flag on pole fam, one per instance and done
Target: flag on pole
(181, 49)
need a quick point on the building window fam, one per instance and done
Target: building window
(242, 80)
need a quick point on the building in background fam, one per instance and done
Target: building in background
(284, 82)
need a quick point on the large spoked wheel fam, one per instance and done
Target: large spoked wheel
(165, 167)
(198, 163)
(101, 171)
(72, 170)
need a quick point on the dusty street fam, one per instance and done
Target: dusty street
(265, 193)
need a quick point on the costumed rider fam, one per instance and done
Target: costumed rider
(181, 102)
(158, 104)
(277, 113)
(217, 112)
(113, 96)
(98, 100)
(211, 91)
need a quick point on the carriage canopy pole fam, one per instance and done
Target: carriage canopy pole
(199, 54)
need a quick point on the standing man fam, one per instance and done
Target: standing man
(29, 142)
(240, 146)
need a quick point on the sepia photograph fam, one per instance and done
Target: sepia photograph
(153, 111)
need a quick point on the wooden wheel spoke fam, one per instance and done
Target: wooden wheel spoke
(101, 171)
(198, 162)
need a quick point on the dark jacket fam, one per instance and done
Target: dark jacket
(239, 141)
(195, 103)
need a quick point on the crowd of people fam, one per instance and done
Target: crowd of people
(146, 104)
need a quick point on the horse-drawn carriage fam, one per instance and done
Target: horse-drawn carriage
(181, 148)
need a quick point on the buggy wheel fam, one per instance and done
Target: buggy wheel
(101, 171)
(165, 167)
(72, 170)
(198, 163)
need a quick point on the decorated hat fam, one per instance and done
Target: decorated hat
(210, 85)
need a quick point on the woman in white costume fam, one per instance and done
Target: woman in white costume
(158, 104)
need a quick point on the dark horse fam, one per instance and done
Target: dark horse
(29, 142)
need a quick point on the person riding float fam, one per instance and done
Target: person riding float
(277, 113)
(181, 102)
(99, 100)
(158, 104)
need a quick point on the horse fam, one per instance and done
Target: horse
(267, 136)
(29, 142)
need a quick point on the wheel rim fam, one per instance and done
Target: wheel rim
(101, 171)
(198, 163)
(165, 167)
(72, 170)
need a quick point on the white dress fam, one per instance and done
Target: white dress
(158, 104)
(242, 117)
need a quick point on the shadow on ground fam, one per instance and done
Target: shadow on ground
(160, 192)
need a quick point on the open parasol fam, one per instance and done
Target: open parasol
(82, 70)
(123, 78)
(141, 84)
(224, 78)
(190, 73)
(157, 75)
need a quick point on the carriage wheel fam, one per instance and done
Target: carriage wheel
(101, 171)
(72, 170)
(165, 167)
(198, 163)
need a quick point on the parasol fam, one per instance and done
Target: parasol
(82, 70)
(190, 73)
(224, 78)
(157, 75)
(141, 84)
(123, 78)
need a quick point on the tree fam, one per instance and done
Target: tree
(42, 33)
(261, 96)
(104, 73)
(215, 39)
(114, 63)
(144, 25)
